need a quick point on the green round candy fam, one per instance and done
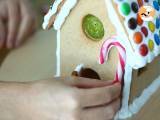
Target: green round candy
(125, 8)
(93, 27)
(151, 26)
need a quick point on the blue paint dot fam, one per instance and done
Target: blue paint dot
(156, 5)
(156, 38)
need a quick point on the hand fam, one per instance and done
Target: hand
(17, 22)
(62, 99)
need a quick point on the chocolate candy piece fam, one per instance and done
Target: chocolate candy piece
(93, 27)
(125, 8)
(156, 39)
(143, 50)
(132, 23)
(151, 45)
(151, 26)
(138, 37)
(156, 5)
(144, 30)
(134, 7)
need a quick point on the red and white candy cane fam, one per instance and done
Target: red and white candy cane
(106, 47)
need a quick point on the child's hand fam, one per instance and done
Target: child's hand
(59, 99)
(17, 22)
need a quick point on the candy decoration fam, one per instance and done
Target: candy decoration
(156, 38)
(146, 0)
(125, 8)
(140, 2)
(157, 23)
(144, 30)
(139, 20)
(151, 26)
(134, 7)
(156, 5)
(105, 49)
(151, 45)
(138, 37)
(93, 27)
(143, 50)
(132, 23)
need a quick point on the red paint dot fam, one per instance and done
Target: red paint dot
(143, 50)
(144, 31)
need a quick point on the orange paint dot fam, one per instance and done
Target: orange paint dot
(138, 37)
(139, 20)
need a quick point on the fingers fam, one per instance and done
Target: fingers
(27, 25)
(101, 113)
(90, 83)
(85, 83)
(2, 33)
(13, 23)
(99, 96)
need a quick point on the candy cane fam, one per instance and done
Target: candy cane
(106, 47)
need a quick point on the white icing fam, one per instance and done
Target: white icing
(61, 16)
(79, 67)
(138, 103)
(65, 10)
(58, 54)
(51, 12)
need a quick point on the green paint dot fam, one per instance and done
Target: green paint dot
(151, 26)
(93, 27)
(125, 8)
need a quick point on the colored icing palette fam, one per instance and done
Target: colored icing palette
(93, 27)
(144, 35)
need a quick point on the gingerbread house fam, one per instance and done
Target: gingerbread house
(87, 29)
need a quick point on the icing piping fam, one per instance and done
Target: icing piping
(50, 13)
(60, 14)
(58, 54)
(65, 10)
(140, 101)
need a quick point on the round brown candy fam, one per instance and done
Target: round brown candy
(144, 31)
(132, 23)
(138, 37)
(143, 50)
